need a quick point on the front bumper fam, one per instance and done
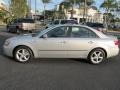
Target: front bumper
(8, 51)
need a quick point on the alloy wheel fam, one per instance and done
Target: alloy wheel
(97, 56)
(23, 55)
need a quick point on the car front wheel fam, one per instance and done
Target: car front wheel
(97, 56)
(23, 54)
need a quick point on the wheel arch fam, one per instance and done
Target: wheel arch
(98, 48)
(23, 46)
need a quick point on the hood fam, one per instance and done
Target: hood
(21, 37)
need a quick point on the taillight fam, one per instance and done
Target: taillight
(116, 42)
(98, 29)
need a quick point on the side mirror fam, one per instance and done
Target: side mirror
(45, 36)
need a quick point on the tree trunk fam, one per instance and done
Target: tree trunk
(84, 12)
(72, 11)
(107, 17)
(44, 13)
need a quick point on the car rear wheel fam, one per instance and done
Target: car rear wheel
(18, 31)
(97, 56)
(8, 29)
(23, 54)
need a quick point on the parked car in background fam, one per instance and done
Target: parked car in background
(63, 41)
(21, 24)
(98, 26)
(61, 21)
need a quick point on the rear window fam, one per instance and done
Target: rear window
(69, 22)
(72, 21)
(27, 20)
(63, 21)
(95, 25)
(56, 22)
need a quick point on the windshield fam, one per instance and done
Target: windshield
(37, 32)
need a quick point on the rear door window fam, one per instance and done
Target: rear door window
(56, 22)
(26, 21)
(63, 22)
(82, 32)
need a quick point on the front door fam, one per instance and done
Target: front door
(55, 43)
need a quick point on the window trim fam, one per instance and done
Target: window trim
(67, 32)
(85, 28)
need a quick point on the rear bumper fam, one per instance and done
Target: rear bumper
(26, 29)
(113, 52)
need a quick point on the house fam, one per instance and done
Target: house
(91, 14)
(3, 5)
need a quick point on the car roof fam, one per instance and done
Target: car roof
(70, 25)
(64, 19)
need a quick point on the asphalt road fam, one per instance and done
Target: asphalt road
(57, 74)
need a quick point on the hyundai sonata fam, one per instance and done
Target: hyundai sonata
(63, 41)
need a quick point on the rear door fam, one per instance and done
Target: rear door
(81, 42)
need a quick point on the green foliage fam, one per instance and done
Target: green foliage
(66, 4)
(88, 2)
(109, 4)
(46, 1)
(19, 8)
(2, 14)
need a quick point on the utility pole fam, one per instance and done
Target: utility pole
(29, 4)
(44, 12)
(84, 12)
(35, 8)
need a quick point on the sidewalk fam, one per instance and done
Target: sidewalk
(2, 27)
(112, 31)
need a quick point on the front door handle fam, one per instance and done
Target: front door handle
(63, 42)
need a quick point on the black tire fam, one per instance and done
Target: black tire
(30, 31)
(8, 29)
(18, 49)
(96, 56)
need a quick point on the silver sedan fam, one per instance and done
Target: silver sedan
(63, 41)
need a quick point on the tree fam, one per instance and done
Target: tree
(2, 14)
(45, 2)
(19, 8)
(72, 3)
(86, 3)
(108, 5)
(63, 7)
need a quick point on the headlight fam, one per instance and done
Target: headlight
(6, 43)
